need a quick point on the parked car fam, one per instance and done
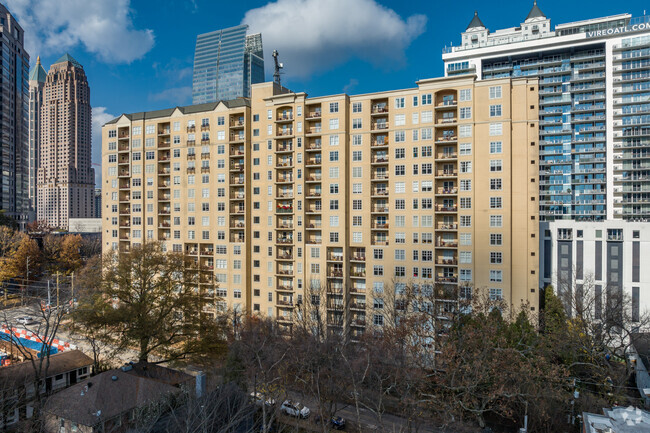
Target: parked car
(296, 409)
(337, 422)
(258, 399)
(26, 320)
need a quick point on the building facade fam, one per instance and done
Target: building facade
(37, 78)
(14, 149)
(66, 180)
(226, 63)
(594, 78)
(98, 202)
(594, 90)
(283, 197)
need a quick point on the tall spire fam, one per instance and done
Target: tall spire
(476, 22)
(535, 12)
(38, 73)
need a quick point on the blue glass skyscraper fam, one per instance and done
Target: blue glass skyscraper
(226, 63)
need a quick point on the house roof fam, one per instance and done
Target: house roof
(535, 12)
(106, 396)
(189, 109)
(22, 373)
(38, 73)
(68, 58)
(476, 22)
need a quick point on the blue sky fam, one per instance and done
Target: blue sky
(138, 54)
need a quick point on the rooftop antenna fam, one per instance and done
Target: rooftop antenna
(278, 66)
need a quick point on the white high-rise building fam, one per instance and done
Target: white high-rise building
(594, 173)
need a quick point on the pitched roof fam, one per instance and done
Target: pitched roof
(68, 58)
(20, 374)
(535, 12)
(38, 73)
(105, 396)
(476, 22)
(188, 109)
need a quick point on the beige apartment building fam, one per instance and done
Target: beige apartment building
(281, 196)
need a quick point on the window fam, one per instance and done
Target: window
(465, 257)
(400, 153)
(496, 129)
(496, 239)
(378, 320)
(495, 92)
(427, 116)
(399, 102)
(496, 258)
(495, 110)
(400, 120)
(334, 140)
(334, 107)
(465, 131)
(466, 113)
(465, 202)
(357, 237)
(357, 155)
(334, 123)
(465, 95)
(357, 140)
(495, 165)
(495, 184)
(356, 107)
(426, 99)
(400, 187)
(465, 221)
(495, 202)
(496, 294)
(400, 204)
(357, 124)
(466, 166)
(496, 276)
(400, 136)
(495, 147)
(466, 185)
(465, 148)
(466, 239)
(496, 220)
(399, 170)
(334, 156)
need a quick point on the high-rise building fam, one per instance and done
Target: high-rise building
(337, 199)
(594, 92)
(14, 151)
(594, 173)
(226, 63)
(36, 83)
(66, 180)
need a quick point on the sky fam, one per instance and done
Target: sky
(138, 54)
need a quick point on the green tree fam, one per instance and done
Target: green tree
(148, 300)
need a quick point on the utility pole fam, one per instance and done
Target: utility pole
(49, 295)
(72, 288)
(57, 290)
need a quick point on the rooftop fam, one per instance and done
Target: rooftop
(618, 420)
(114, 392)
(68, 58)
(20, 374)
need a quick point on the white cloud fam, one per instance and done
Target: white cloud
(100, 117)
(103, 27)
(316, 35)
(351, 85)
(174, 95)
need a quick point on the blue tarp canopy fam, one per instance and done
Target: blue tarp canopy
(29, 344)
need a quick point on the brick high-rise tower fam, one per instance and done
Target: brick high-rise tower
(66, 180)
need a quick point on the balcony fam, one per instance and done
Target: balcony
(285, 132)
(379, 109)
(447, 191)
(237, 151)
(316, 114)
(205, 127)
(444, 243)
(314, 178)
(379, 141)
(446, 261)
(446, 279)
(191, 129)
(237, 122)
(314, 130)
(446, 173)
(285, 148)
(447, 208)
(380, 159)
(284, 117)
(237, 137)
(379, 226)
(379, 126)
(446, 139)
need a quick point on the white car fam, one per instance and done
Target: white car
(25, 320)
(292, 408)
(258, 399)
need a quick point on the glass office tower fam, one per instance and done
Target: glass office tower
(594, 87)
(226, 63)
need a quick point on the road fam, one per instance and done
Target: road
(369, 421)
